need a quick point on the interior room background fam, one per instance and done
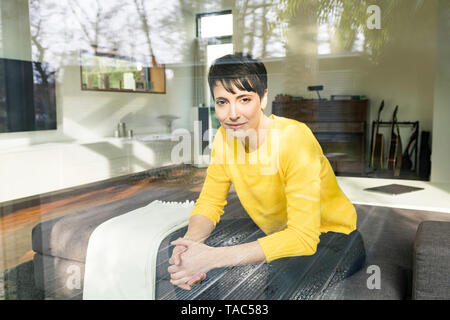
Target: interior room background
(302, 43)
(403, 63)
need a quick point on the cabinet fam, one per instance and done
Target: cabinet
(340, 126)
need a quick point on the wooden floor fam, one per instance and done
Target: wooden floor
(18, 219)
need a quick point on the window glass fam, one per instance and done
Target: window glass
(105, 107)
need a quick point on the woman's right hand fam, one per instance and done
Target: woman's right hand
(176, 260)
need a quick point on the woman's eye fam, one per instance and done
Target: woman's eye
(245, 100)
(220, 102)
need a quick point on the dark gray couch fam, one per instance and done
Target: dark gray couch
(410, 251)
(431, 261)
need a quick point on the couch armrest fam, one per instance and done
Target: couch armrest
(431, 261)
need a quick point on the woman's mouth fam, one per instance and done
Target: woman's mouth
(235, 126)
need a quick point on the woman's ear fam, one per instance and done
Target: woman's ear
(264, 100)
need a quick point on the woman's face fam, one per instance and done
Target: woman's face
(238, 113)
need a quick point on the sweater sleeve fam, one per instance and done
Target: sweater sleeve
(300, 162)
(215, 189)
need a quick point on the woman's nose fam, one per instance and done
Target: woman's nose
(233, 116)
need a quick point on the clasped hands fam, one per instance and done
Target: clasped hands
(190, 262)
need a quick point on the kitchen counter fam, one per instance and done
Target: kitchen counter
(40, 168)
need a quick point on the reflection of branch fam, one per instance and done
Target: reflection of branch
(35, 41)
(140, 7)
(97, 24)
(39, 47)
(241, 20)
(259, 30)
(264, 30)
(39, 31)
(35, 30)
(83, 28)
(102, 18)
(252, 34)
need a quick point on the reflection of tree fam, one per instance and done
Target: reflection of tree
(134, 28)
(350, 16)
(142, 13)
(42, 38)
(95, 25)
(257, 32)
(43, 73)
(35, 28)
(143, 28)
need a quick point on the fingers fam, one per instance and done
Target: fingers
(181, 281)
(186, 282)
(194, 280)
(182, 242)
(176, 258)
(185, 286)
(177, 276)
(197, 279)
(180, 247)
(173, 269)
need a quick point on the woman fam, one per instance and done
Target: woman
(280, 175)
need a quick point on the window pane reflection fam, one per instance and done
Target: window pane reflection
(342, 67)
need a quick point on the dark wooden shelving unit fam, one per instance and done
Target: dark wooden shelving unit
(340, 126)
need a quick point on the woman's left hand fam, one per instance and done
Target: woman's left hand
(196, 259)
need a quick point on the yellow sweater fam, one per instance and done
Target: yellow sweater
(287, 187)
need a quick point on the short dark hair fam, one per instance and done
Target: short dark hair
(238, 70)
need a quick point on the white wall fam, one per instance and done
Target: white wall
(15, 29)
(440, 157)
